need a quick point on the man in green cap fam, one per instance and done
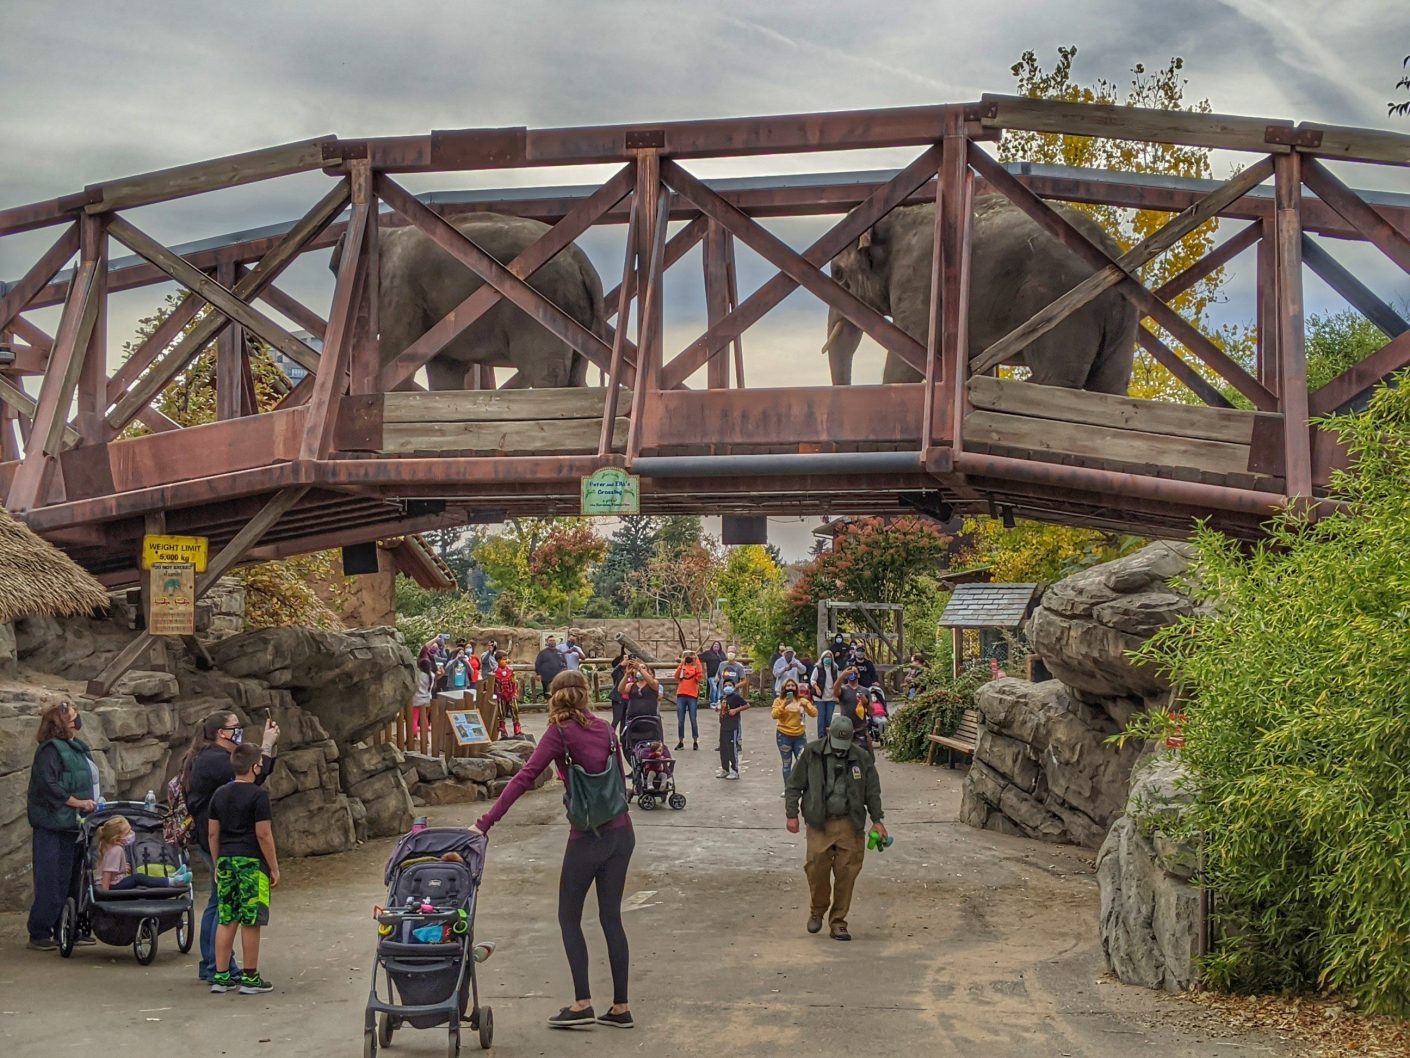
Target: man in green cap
(836, 784)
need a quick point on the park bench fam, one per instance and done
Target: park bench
(963, 740)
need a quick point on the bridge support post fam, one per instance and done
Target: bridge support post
(1291, 348)
(217, 567)
(230, 364)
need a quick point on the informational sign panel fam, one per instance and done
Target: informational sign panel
(467, 727)
(173, 606)
(174, 551)
(611, 491)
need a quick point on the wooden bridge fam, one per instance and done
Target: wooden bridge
(358, 451)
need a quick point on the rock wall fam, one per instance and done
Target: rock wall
(327, 691)
(1041, 766)
(1149, 908)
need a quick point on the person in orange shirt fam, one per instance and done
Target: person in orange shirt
(690, 674)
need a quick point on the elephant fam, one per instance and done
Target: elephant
(1016, 269)
(419, 283)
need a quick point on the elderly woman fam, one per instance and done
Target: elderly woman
(63, 784)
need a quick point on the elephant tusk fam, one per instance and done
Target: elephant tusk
(832, 337)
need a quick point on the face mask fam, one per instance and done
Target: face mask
(729, 688)
(78, 723)
(129, 839)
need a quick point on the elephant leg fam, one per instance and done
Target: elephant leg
(443, 374)
(542, 360)
(1112, 371)
(1064, 356)
(897, 370)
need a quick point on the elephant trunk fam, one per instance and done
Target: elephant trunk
(843, 337)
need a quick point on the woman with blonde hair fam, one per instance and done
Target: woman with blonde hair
(600, 839)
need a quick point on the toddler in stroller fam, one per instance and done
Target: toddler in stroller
(426, 949)
(139, 890)
(653, 767)
(878, 715)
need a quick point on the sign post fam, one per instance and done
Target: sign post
(611, 491)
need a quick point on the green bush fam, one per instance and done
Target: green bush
(941, 695)
(1296, 686)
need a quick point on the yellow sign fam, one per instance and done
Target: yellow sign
(174, 551)
(173, 610)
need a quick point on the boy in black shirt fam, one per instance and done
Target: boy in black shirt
(246, 868)
(732, 705)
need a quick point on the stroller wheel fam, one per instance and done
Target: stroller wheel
(369, 1043)
(186, 931)
(384, 1029)
(453, 1044)
(486, 1028)
(144, 945)
(677, 801)
(647, 801)
(68, 927)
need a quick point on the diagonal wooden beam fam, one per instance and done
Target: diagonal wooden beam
(219, 565)
(35, 336)
(782, 256)
(232, 303)
(619, 339)
(543, 250)
(449, 238)
(38, 277)
(154, 346)
(1361, 215)
(680, 244)
(22, 402)
(1357, 294)
(1217, 258)
(1175, 364)
(1356, 380)
(56, 393)
(1056, 225)
(1125, 267)
(859, 220)
(282, 301)
(332, 378)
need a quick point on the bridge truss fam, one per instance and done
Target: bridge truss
(358, 451)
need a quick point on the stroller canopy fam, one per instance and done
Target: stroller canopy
(437, 841)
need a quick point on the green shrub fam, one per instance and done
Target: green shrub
(1296, 686)
(941, 695)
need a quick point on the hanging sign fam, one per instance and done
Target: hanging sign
(174, 551)
(611, 491)
(173, 606)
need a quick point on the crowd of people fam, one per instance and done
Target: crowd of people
(218, 802)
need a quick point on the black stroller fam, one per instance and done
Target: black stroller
(427, 940)
(653, 768)
(128, 916)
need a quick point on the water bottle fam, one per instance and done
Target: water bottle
(151, 800)
(418, 824)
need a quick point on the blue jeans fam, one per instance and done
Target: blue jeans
(686, 705)
(208, 924)
(825, 710)
(714, 690)
(790, 747)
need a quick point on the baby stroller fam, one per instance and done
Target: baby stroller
(426, 940)
(653, 768)
(128, 916)
(878, 715)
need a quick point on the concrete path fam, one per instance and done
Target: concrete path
(966, 943)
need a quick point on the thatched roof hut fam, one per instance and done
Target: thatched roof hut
(38, 579)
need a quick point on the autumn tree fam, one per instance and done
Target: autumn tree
(1161, 89)
(753, 593)
(305, 590)
(1034, 552)
(540, 566)
(681, 583)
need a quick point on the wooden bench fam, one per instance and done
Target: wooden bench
(963, 740)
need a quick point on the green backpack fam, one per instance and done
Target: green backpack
(594, 799)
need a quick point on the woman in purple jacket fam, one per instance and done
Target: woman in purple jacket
(589, 858)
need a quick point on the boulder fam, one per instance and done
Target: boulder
(428, 768)
(17, 743)
(506, 764)
(386, 803)
(1087, 623)
(359, 818)
(313, 823)
(152, 686)
(1042, 764)
(359, 763)
(298, 770)
(1149, 910)
(451, 792)
(354, 682)
(497, 787)
(474, 769)
(9, 652)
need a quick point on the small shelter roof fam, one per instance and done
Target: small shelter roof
(37, 579)
(988, 605)
(415, 558)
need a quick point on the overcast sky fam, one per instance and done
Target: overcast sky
(94, 91)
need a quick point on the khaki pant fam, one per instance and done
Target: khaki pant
(835, 853)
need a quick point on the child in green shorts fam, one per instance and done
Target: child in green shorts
(246, 869)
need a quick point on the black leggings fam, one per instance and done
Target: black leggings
(603, 860)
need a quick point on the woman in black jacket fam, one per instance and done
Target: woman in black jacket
(619, 704)
(63, 784)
